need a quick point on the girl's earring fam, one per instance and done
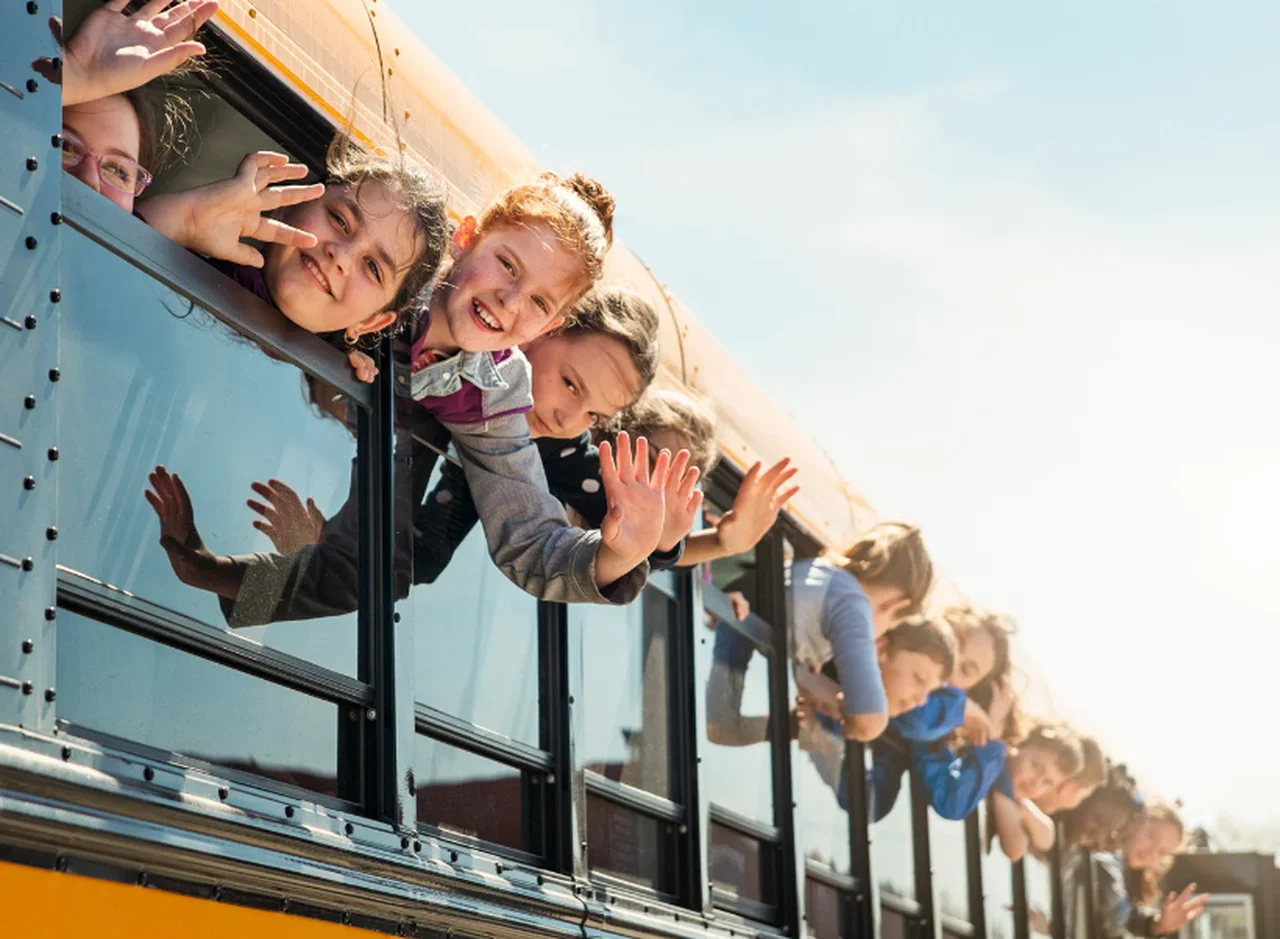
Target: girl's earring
(350, 338)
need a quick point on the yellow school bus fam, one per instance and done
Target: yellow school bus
(462, 761)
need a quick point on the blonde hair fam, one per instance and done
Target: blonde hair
(676, 411)
(1093, 768)
(892, 554)
(926, 635)
(577, 208)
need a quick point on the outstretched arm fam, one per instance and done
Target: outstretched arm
(1038, 826)
(755, 508)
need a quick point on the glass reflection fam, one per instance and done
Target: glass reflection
(116, 683)
(150, 381)
(817, 767)
(824, 910)
(892, 850)
(735, 675)
(950, 870)
(625, 714)
(623, 843)
(475, 640)
(740, 865)
(1039, 879)
(470, 795)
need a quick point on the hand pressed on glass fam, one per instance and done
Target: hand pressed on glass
(193, 563)
(289, 524)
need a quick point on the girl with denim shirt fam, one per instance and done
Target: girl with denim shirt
(532, 253)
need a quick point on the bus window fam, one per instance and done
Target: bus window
(1039, 879)
(122, 688)
(462, 793)
(475, 634)
(950, 866)
(892, 850)
(997, 884)
(150, 380)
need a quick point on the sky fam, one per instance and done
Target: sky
(1013, 266)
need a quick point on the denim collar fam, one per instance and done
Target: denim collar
(446, 376)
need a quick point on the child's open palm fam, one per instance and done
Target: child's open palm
(111, 52)
(681, 501)
(289, 523)
(756, 507)
(631, 529)
(212, 219)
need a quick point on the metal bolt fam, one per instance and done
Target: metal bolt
(395, 618)
(288, 811)
(32, 7)
(60, 863)
(53, 454)
(51, 613)
(51, 533)
(50, 695)
(27, 687)
(32, 85)
(224, 793)
(28, 646)
(142, 878)
(56, 217)
(349, 829)
(404, 842)
(571, 699)
(56, 141)
(497, 868)
(55, 295)
(371, 715)
(30, 321)
(55, 374)
(31, 242)
(453, 857)
(33, 164)
(584, 846)
(66, 753)
(29, 402)
(148, 774)
(417, 847)
(28, 564)
(29, 483)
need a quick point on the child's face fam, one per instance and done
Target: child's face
(1154, 839)
(977, 659)
(1035, 771)
(1071, 793)
(108, 126)
(507, 286)
(579, 380)
(888, 606)
(363, 250)
(908, 678)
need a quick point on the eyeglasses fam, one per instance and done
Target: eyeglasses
(122, 173)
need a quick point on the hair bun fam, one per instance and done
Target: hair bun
(593, 193)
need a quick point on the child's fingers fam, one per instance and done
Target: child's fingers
(147, 12)
(771, 475)
(661, 466)
(780, 480)
(780, 500)
(608, 469)
(675, 477)
(185, 20)
(749, 480)
(266, 511)
(623, 456)
(695, 503)
(180, 490)
(270, 175)
(689, 481)
(246, 255)
(156, 502)
(270, 229)
(165, 61)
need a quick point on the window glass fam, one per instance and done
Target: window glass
(997, 885)
(817, 773)
(461, 792)
(737, 757)
(475, 633)
(116, 683)
(950, 866)
(741, 865)
(1039, 878)
(624, 843)
(824, 910)
(626, 697)
(892, 850)
(149, 380)
(893, 925)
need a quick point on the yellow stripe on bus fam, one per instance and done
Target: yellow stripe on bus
(49, 905)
